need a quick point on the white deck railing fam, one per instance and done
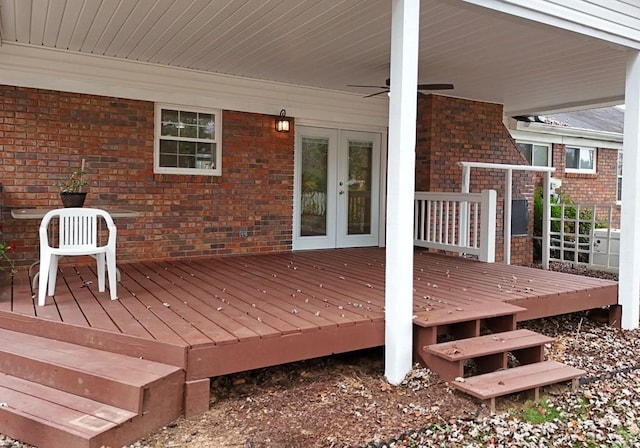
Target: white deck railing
(457, 222)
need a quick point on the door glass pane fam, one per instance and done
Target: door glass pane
(359, 183)
(313, 200)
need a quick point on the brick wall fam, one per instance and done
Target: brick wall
(451, 130)
(44, 135)
(599, 189)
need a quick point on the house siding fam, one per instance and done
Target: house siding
(45, 134)
(451, 130)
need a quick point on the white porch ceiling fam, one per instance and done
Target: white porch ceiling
(328, 44)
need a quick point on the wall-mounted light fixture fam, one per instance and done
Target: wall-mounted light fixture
(282, 122)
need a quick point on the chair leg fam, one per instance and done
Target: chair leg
(111, 268)
(100, 271)
(53, 274)
(43, 276)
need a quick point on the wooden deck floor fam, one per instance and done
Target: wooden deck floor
(223, 315)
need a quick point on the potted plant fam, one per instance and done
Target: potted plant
(71, 189)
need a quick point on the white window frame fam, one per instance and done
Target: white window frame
(217, 140)
(619, 178)
(534, 144)
(581, 170)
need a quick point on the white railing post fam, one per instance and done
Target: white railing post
(464, 208)
(508, 196)
(488, 226)
(546, 219)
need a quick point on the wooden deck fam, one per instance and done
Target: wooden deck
(223, 315)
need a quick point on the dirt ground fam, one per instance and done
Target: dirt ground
(336, 401)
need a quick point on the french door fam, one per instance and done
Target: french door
(337, 188)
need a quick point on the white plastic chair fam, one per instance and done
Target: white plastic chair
(78, 235)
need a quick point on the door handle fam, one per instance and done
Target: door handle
(341, 192)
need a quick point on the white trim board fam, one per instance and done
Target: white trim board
(97, 75)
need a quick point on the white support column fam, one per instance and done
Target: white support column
(400, 190)
(508, 196)
(629, 274)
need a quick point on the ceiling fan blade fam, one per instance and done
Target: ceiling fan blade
(375, 94)
(370, 87)
(435, 86)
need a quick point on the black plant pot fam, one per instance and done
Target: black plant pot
(73, 199)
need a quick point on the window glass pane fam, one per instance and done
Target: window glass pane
(205, 159)
(206, 126)
(586, 159)
(619, 163)
(189, 131)
(169, 120)
(619, 188)
(572, 158)
(169, 160)
(525, 149)
(540, 155)
(189, 118)
(168, 153)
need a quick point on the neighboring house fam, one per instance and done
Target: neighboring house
(585, 147)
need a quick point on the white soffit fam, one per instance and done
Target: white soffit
(326, 45)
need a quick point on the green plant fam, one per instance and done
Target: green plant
(74, 183)
(6, 249)
(540, 412)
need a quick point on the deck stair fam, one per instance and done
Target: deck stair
(489, 352)
(54, 393)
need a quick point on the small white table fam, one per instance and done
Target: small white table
(38, 213)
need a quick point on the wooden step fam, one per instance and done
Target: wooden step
(489, 352)
(518, 379)
(476, 311)
(462, 322)
(109, 378)
(53, 415)
(62, 394)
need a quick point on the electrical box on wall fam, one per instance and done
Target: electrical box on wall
(519, 217)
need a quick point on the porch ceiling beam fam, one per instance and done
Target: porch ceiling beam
(400, 191)
(629, 280)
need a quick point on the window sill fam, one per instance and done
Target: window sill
(579, 175)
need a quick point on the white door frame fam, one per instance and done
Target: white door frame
(337, 137)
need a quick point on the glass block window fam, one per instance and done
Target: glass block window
(187, 141)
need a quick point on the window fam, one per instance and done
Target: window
(580, 160)
(537, 154)
(619, 189)
(187, 141)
